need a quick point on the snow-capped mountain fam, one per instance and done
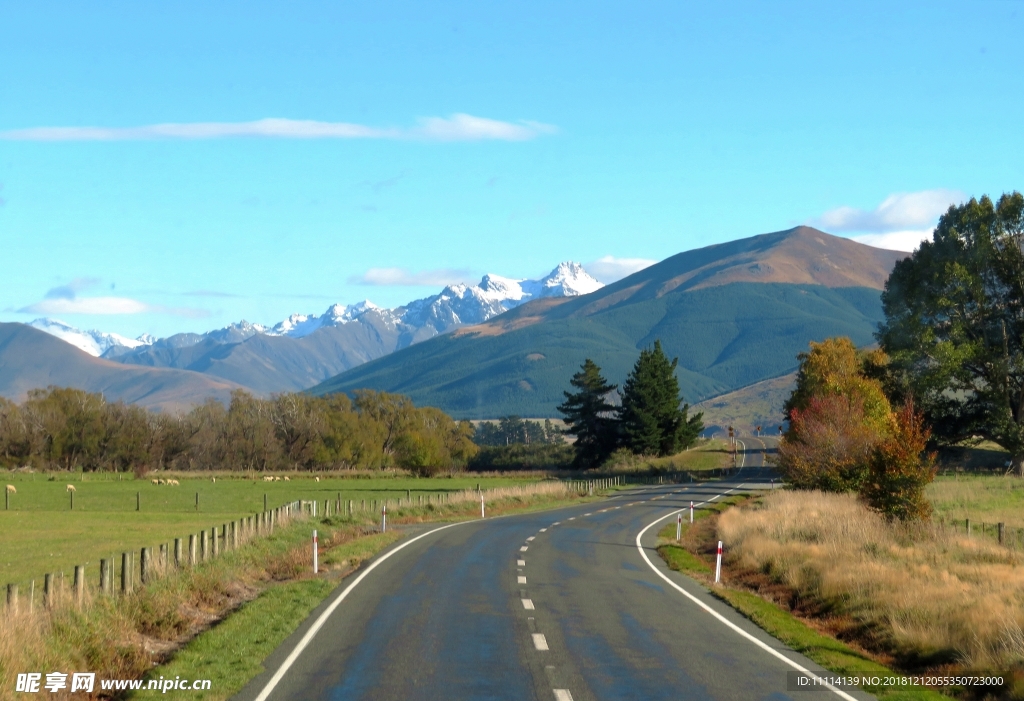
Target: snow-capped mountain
(307, 348)
(455, 305)
(95, 343)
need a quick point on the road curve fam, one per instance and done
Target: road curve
(556, 605)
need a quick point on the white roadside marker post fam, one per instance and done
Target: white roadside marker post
(691, 512)
(679, 527)
(718, 564)
(384, 519)
(316, 554)
(482, 506)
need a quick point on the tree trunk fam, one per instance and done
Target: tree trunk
(1017, 464)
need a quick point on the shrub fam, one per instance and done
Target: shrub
(899, 469)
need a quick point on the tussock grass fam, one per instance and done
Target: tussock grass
(921, 593)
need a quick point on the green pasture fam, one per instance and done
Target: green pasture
(40, 533)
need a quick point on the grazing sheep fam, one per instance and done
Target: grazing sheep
(71, 488)
(11, 489)
(160, 481)
(286, 478)
(174, 482)
(214, 480)
(268, 478)
(155, 481)
(316, 479)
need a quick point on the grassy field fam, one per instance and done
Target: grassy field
(706, 455)
(42, 534)
(990, 498)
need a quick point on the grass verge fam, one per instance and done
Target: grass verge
(694, 555)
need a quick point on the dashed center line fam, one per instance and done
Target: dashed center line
(572, 518)
(542, 530)
(556, 523)
(562, 695)
(524, 548)
(528, 604)
(521, 563)
(521, 580)
(539, 641)
(590, 514)
(530, 538)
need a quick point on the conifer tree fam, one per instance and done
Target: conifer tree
(589, 416)
(652, 421)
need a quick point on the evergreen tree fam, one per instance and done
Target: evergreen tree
(652, 420)
(589, 416)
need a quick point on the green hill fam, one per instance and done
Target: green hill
(735, 314)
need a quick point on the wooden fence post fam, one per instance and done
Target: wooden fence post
(79, 584)
(177, 552)
(105, 579)
(193, 559)
(967, 526)
(204, 545)
(12, 598)
(126, 573)
(48, 589)
(162, 562)
(145, 565)
(214, 550)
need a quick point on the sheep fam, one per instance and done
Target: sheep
(268, 478)
(286, 479)
(214, 480)
(316, 479)
(160, 480)
(155, 481)
(172, 482)
(71, 488)
(11, 489)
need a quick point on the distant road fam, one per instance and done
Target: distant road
(556, 606)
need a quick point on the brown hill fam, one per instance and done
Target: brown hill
(802, 256)
(33, 359)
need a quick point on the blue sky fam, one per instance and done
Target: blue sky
(424, 143)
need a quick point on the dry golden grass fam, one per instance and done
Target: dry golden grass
(921, 592)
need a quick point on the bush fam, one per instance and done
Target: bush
(520, 456)
(900, 470)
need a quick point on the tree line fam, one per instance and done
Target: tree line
(651, 418)
(62, 428)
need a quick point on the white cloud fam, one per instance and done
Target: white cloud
(457, 127)
(896, 240)
(899, 212)
(610, 269)
(105, 306)
(400, 276)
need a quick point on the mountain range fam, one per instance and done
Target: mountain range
(306, 349)
(735, 314)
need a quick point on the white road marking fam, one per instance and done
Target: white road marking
(319, 622)
(521, 563)
(530, 538)
(556, 523)
(562, 695)
(588, 514)
(528, 604)
(764, 646)
(524, 548)
(572, 518)
(521, 580)
(542, 530)
(539, 641)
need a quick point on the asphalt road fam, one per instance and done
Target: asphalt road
(555, 605)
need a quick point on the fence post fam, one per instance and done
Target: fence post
(968, 526)
(214, 550)
(145, 565)
(162, 562)
(48, 589)
(126, 573)
(79, 583)
(204, 545)
(177, 552)
(138, 501)
(12, 598)
(192, 555)
(105, 579)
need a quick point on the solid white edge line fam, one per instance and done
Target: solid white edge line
(319, 623)
(720, 617)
